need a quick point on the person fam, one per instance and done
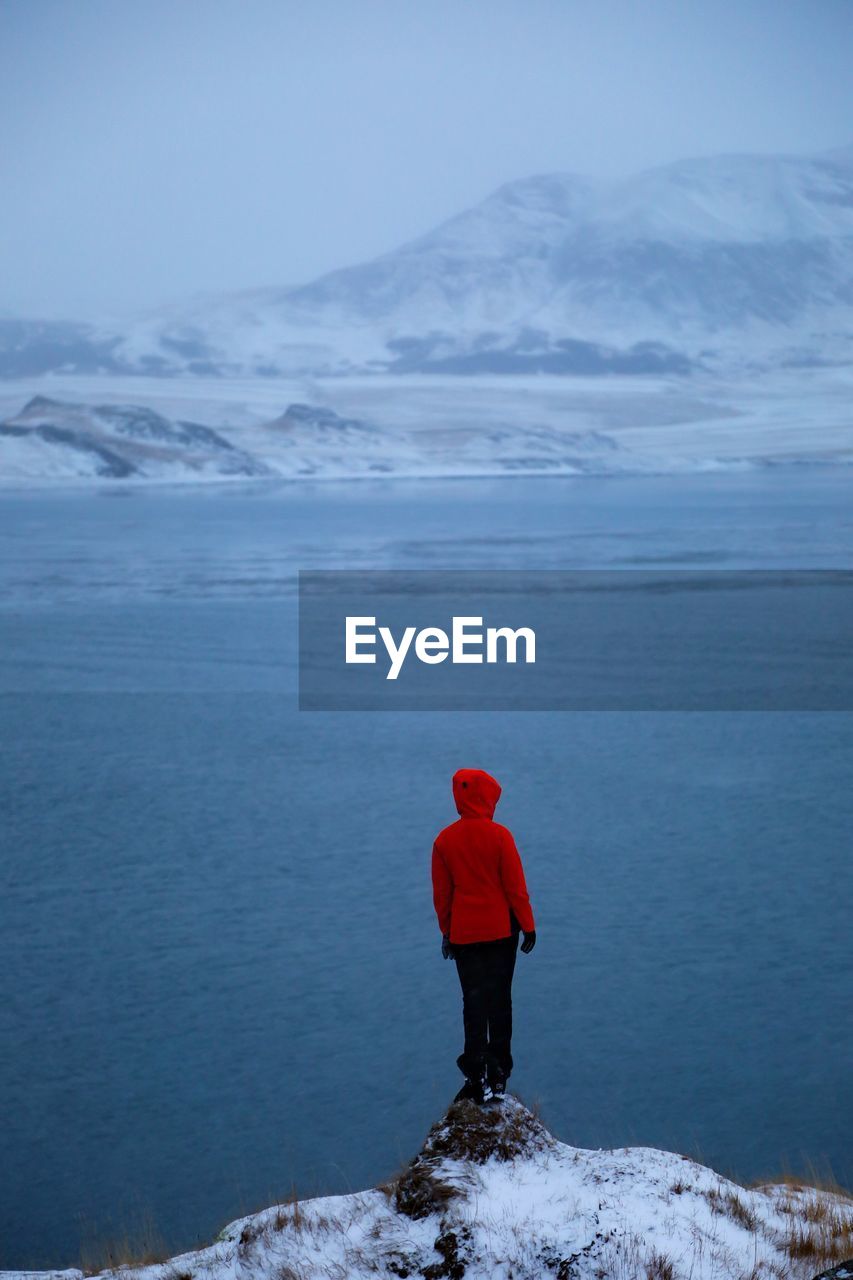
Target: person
(482, 904)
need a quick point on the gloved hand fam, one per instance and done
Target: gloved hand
(446, 950)
(529, 941)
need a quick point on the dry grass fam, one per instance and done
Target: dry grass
(818, 1177)
(820, 1216)
(389, 1186)
(623, 1258)
(822, 1232)
(289, 1215)
(659, 1267)
(728, 1204)
(139, 1247)
(420, 1192)
(471, 1132)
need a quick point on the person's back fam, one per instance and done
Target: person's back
(481, 901)
(478, 880)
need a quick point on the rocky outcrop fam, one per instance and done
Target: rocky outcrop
(492, 1193)
(56, 439)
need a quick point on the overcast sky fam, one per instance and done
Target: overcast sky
(152, 149)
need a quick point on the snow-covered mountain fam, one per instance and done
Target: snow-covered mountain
(568, 275)
(57, 440)
(493, 1194)
(722, 262)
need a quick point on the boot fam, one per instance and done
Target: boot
(496, 1075)
(497, 1084)
(476, 1087)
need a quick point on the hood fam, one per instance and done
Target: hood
(476, 793)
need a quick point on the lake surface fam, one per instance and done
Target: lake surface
(220, 974)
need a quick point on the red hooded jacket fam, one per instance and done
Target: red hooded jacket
(477, 876)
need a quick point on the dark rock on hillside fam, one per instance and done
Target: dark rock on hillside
(466, 1132)
(126, 440)
(316, 417)
(108, 463)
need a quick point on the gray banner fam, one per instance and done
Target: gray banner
(582, 640)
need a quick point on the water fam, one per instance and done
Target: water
(220, 974)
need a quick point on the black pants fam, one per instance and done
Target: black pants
(485, 972)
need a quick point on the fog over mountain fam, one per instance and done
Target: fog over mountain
(725, 262)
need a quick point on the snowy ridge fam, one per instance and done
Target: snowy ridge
(717, 263)
(493, 1194)
(184, 430)
(54, 439)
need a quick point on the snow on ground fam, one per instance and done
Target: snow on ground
(429, 425)
(493, 1194)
